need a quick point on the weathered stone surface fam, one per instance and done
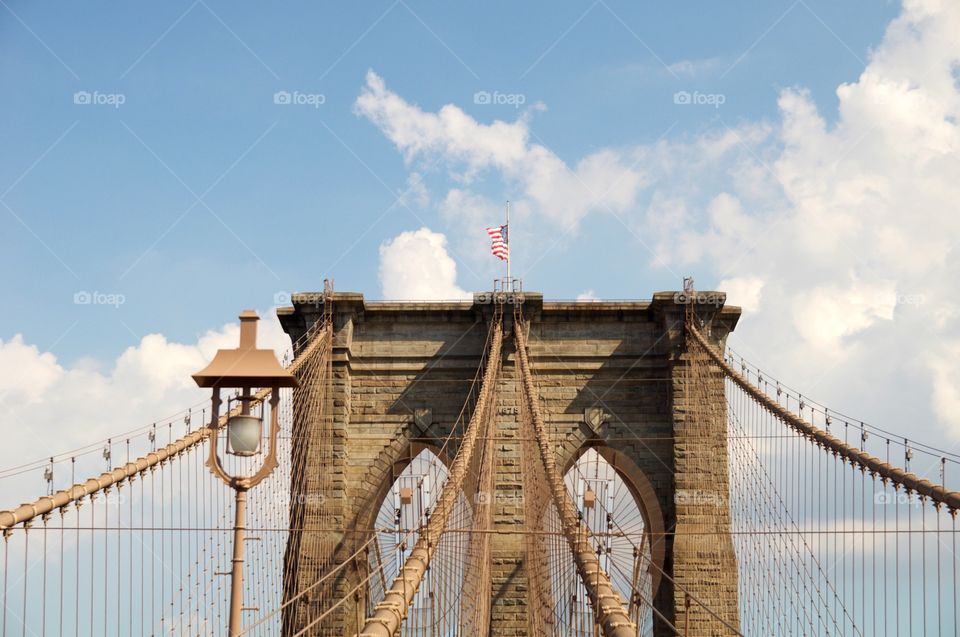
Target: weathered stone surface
(626, 357)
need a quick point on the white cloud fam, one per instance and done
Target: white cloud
(470, 210)
(415, 265)
(943, 365)
(587, 295)
(744, 292)
(827, 315)
(605, 180)
(557, 195)
(858, 249)
(26, 374)
(47, 405)
(839, 225)
(416, 192)
(468, 215)
(450, 132)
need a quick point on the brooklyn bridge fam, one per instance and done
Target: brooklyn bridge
(509, 465)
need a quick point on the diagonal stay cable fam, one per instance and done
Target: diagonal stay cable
(870, 463)
(47, 503)
(608, 606)
(392, 610)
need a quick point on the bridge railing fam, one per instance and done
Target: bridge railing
(829, 441)
(143, 546)
(938, 466)
(831, 539)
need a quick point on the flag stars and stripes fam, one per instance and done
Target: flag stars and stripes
(499, 242)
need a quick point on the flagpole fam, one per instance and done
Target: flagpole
(509, 281)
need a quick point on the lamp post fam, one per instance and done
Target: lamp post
(243, 368)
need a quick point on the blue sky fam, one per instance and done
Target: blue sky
(288, 195)
(802, 155)
(813, 176)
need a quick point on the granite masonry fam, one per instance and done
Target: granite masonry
(624, 360)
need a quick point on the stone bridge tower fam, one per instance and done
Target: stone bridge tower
(402, 371)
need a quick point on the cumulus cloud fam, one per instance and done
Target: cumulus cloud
(837, 234)
(827, 315)
(946, 380)
(855, 242)
(607, 179)
(469, 209)
(48, 405)
(416, 265)
(744, 292)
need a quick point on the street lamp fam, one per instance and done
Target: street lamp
(243, 368)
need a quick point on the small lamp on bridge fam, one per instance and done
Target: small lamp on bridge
(244, 432)
(589, 498)
(244, 368)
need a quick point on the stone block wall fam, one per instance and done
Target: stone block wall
(624, 357)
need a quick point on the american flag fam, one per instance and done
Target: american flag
(499, 244)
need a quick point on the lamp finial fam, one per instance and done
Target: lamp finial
(248, 329)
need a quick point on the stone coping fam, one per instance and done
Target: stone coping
(535, 300)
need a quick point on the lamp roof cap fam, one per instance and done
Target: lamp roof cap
(245, 366)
